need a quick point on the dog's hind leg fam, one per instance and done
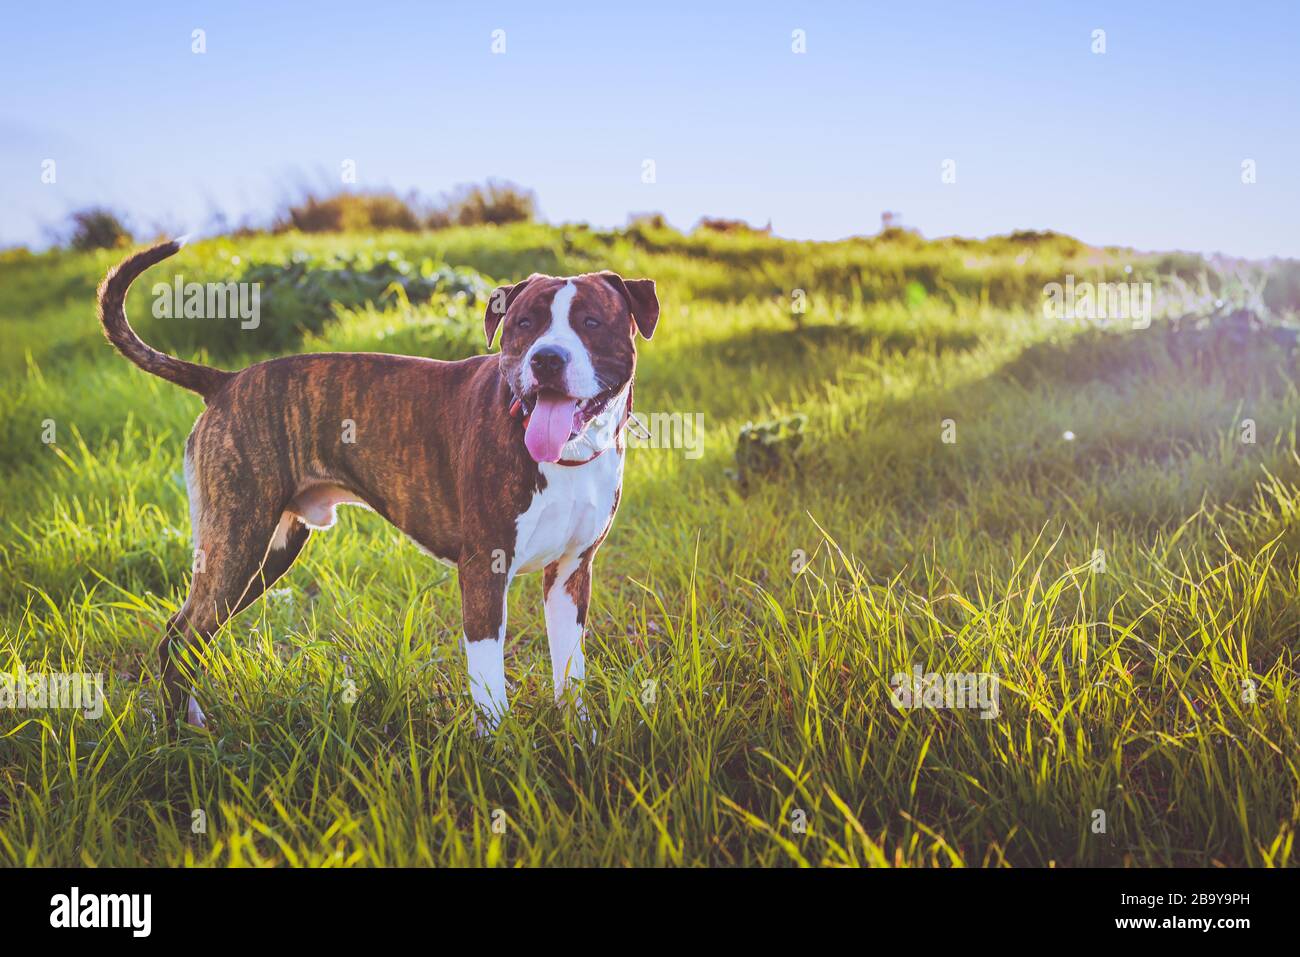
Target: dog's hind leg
(284, 551)
(235, 565)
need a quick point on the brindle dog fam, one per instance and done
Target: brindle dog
(501, 464)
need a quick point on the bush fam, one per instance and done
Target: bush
(350, 213)
(98, 228)
(647, 221)
(1282, 287)
(766, 450)
(1066, 245)
(494, 203)
(299, 296)
(717, 224)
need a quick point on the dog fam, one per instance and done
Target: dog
(501, 464)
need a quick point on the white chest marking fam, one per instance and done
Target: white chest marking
(567, 516)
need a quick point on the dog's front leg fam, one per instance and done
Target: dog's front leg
(567, 590)
(483, 612)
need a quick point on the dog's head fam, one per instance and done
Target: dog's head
(568, 348)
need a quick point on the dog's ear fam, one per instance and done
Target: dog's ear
(642, 300)
(499, 302)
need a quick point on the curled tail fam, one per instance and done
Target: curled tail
(112, 313)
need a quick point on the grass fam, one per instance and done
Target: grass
(1136, 588)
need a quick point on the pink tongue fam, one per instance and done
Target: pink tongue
(550, 426)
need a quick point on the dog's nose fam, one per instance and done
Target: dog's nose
(548, 361)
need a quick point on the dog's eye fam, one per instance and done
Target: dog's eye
(525, 323)
(591, 322)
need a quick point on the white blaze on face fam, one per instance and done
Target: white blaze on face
(579, 376)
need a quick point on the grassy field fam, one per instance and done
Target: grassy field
(1079, 511)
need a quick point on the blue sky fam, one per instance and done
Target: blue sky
(1139, 146)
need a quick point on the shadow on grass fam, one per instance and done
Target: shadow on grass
(1150, 409)
(793, 344)
(1247, 356)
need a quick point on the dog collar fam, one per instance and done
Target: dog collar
(517, 411)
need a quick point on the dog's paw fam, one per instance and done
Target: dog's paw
(486, 723)
(579, 711)
(194, 715)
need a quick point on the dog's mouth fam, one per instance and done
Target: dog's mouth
(554, 419)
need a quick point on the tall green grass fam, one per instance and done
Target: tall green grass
(741, 648)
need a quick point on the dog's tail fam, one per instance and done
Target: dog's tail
(112, 313)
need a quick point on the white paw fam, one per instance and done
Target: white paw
(580, 709)
(194, 714)
(570, 699)
(487, 683)
(584, 720)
